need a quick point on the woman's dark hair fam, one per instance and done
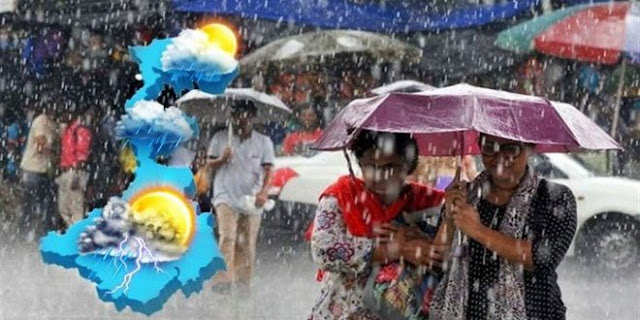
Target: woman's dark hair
(404, 145)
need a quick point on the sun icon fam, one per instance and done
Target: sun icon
(222, 36)
(167, 211)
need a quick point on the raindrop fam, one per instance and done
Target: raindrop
(500, 168)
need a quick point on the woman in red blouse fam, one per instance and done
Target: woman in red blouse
(354, 226)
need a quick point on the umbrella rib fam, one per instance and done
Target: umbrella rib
(377, 106)
(564, 123)
(473, 114)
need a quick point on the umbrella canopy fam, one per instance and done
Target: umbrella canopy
(587, 133)
(596, 33)
(217, 107)
(320, 44)
(402, 86)
(448, 121)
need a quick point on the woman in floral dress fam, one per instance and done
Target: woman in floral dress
(352, 230)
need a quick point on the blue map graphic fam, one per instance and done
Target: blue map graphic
(150, 287)
(148, 59)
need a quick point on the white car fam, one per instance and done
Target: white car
(608, 207)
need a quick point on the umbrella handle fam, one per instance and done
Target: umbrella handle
(346, 155)
(461, 236)
(229, 134)
(460, 160)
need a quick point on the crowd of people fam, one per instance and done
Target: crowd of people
(594, 90)
(67, 159)
(61, 94)
(63, 162)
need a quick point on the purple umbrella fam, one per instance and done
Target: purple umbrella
(447, 121)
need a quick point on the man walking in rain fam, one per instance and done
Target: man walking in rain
(242, 160)
(36, 164)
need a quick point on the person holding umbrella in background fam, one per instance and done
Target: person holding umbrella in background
(242, 161)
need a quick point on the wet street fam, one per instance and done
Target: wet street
(284, 289)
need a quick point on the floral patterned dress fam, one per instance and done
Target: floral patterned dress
(345, 261)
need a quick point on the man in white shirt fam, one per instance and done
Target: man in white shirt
(242, 162)
(38, 208)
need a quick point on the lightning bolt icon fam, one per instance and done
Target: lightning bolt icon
(142, 252)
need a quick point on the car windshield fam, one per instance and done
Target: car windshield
(595, 163)
(563, 166)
